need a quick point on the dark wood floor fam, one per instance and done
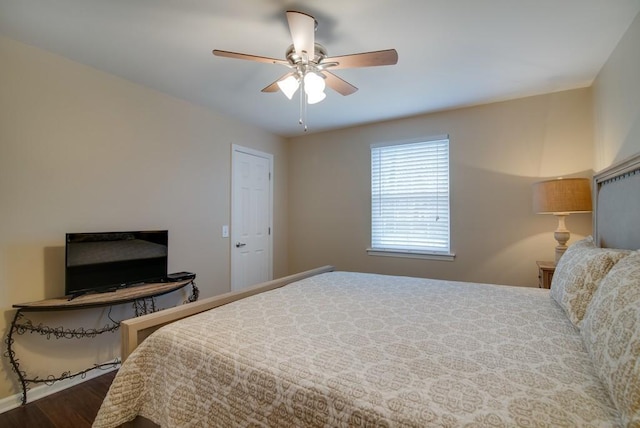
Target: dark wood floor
(74, 407)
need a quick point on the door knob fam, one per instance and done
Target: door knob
(240, 244)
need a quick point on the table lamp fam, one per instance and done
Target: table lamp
(561, 197)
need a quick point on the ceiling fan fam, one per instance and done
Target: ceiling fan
(309, 64)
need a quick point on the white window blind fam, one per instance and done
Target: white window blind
(410, 197)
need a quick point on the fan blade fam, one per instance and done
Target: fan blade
(302, 28)
(337, 84)
(274, 86)
(365, 59)
(236, 55)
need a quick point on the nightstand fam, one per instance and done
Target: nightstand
(545, 273)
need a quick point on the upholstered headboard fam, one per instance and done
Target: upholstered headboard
(616, 199)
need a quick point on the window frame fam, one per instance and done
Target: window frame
(446, 255)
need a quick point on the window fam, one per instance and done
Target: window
(410, 199)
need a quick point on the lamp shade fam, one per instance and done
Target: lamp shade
(562, 195)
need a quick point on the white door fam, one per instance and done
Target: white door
(251, 212)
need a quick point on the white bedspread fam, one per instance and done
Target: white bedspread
(350, 349)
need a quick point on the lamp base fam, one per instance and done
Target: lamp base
(561, 235)
(560, 249)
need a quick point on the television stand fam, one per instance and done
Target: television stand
(142, 297)
(83, 293)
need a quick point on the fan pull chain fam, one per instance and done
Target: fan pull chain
(301, 121)
(305, 112)
(303, 106)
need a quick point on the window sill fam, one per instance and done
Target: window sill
(412, 254)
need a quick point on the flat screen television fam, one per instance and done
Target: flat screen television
(98, 262)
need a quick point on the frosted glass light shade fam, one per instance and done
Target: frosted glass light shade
(313, 84)
(316, 97)
(289, 86)
(314, 87)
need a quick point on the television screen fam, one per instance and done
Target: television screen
(110, 260)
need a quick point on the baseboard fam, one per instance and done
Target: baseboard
(13, 401)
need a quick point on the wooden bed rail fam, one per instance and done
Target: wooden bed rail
(135, 330)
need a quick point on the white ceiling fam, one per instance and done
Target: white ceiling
(452, 53)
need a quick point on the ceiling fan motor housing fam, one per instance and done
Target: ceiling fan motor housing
(295, 59)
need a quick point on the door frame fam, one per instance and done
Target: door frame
(235, 148)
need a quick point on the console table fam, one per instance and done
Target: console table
(143, 300)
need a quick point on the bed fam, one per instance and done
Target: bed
(325, 348)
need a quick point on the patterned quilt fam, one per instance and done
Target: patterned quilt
(350, 349)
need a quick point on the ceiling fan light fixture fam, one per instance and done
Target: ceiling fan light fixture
(314, 85)
(308, 64)
(289, 86)
(315, 97)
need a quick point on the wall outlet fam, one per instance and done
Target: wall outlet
(225, 231)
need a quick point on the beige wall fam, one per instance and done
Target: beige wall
(617, 102)
(81, 150)
(497, 152)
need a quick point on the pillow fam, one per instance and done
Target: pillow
(579, 271)
(611, 333)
